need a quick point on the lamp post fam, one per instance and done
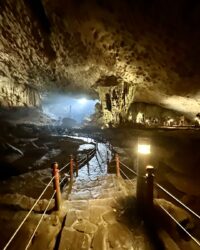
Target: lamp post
(143, 150)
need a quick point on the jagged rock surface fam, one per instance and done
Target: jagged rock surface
(146, 51)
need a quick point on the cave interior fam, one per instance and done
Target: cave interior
(117, 70)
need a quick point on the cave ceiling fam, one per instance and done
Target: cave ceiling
(151, 47)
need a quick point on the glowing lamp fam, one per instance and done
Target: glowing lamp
(144, 146)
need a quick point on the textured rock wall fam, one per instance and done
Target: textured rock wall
(116, 101)
(119, 104)
(152, 46)
(15, 95)
(154, 113)
(22, 55)
(119, 107)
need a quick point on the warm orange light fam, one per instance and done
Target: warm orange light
(144, 146)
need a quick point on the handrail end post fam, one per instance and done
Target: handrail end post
(56, 184)
(149, 187)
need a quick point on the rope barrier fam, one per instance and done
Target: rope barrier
(64, 179)
(127, 176)
(28, 214)
(34, 232)
(27, 246)
(128, 168)
(82, 160)
(64, 167)
(192, 237)
(92, 151)
(85, 158)
(25, 218)
(177, 200)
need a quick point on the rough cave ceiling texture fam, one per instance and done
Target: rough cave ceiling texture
(131, 50)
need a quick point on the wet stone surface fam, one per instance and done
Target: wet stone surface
(102, 219)
(98, 211)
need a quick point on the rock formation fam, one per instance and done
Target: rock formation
(124, 51)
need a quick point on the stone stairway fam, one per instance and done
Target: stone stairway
(101, 215)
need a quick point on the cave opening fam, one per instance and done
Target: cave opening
(64, 108)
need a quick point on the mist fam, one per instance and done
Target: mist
(59, 106)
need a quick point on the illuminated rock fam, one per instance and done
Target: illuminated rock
(125, 51)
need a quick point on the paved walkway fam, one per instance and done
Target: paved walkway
(101, 215)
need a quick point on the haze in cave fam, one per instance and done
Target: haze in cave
(82, 85)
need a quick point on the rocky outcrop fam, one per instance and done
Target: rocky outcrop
(17, 95)
(119, 107)
(116, 101)
(148, 51)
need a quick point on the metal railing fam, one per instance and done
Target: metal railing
(131, 170)
(65, 166)
(178, 201)
(182, 205)
(36, 228)
(148, 179)
(118, 169)
(192, 237)
(81, 161)
(127, 177)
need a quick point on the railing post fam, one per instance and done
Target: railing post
(56, 185)
(117, 165)
(149, 187)
(71, 168)
(77, 167)
(142, 162)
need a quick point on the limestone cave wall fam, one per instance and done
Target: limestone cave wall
(12, 95)
(116, 97)
(155, 114)
(141, 51)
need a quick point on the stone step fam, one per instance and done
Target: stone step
(96, 217)
(97, 224)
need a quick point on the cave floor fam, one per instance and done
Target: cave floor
(99, 212)
(102, 214)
